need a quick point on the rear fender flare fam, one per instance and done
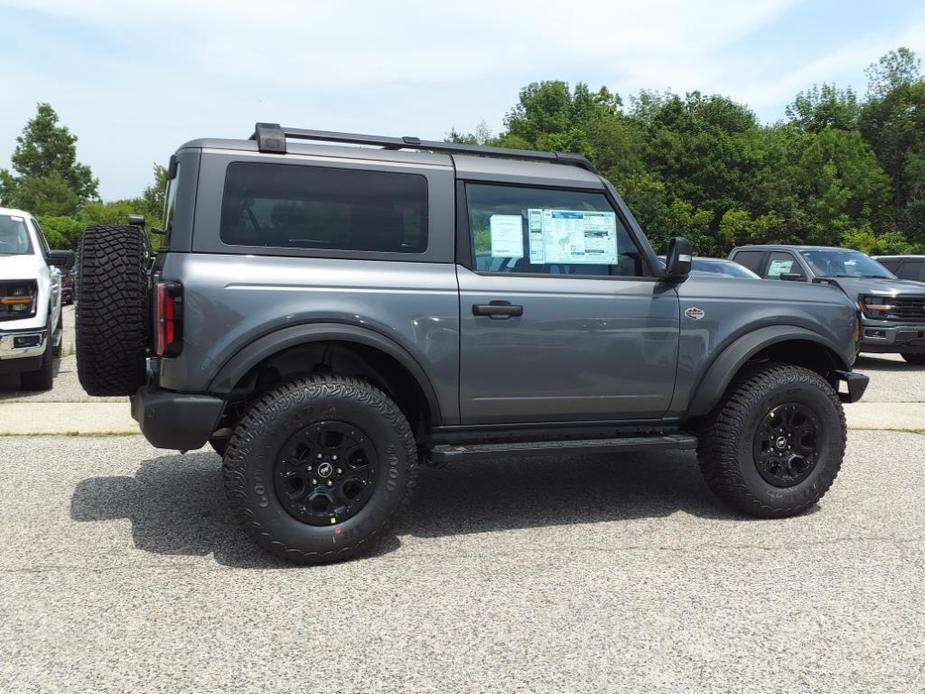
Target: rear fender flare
(266, 346)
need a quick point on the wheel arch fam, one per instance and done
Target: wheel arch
(262, 350)
(787, 344)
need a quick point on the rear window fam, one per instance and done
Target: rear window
(749, 259)
(293, 206)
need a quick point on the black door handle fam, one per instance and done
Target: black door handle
(497, 309)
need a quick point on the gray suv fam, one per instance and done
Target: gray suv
(331, 310)
(892, 309)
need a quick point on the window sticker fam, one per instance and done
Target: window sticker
(779, 267)
(507, 236)
(572, 237)
(17, 218)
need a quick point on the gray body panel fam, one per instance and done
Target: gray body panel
(231, 300)
(585, 349)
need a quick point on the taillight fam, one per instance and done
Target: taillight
(168, 319)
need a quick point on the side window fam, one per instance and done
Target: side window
(548, 231)
(781, 263)
(296, 206)
(750, 259)
(913, 270)
(891, 265)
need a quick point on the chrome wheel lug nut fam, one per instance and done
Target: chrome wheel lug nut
(330, 483)
(339, 471)
(314, 481)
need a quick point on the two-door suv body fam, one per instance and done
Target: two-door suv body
(328, 316)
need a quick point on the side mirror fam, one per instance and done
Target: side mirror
(678, 259)
(791, 277)
(62, 259)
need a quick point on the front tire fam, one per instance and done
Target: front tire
(914, 358)
(317, 469)
(774, 446)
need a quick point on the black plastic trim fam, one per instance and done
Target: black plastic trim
(180, 421)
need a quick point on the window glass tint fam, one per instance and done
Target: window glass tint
(540, 230)
(287, 205)
(750, 259)
(782, 264)
(913, 270)
(891, 265)
(841, 262)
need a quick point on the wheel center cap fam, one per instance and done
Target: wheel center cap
(781, 442)
(325, 470)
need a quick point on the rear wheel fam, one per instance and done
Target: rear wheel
(775, 445)
(112, 310)
(317, 469)
(914, 358)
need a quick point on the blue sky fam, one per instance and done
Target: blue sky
(136, 79)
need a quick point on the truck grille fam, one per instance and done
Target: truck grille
(905, 308)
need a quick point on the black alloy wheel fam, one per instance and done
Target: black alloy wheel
(785, 446)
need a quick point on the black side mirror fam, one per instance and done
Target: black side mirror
(678, 259)
(791, 277)
(62, 259)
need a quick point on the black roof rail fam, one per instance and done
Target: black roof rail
(271, 137)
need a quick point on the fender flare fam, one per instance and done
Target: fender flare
(720, 373)
(272, 343)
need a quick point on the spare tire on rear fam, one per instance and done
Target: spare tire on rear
(112, 310)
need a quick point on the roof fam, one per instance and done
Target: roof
(469, 161)
(10, 210)
(787, 246)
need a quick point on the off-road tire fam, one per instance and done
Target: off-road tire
(250, 460)
(112, 310)
(914, 358)
(725, 448)
(42, 378)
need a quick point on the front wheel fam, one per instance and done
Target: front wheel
(317, 469)
(775, 445)
(914, 358)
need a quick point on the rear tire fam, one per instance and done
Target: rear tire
(112, 310)
(774, 446)
(914, 358)
(292, 492)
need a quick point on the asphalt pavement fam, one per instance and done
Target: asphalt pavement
(121, 571)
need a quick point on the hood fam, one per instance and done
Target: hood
(19, 267)
(856, 286)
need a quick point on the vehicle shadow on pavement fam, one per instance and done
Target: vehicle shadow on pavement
(177, 505)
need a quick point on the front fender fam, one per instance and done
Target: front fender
(719, 374)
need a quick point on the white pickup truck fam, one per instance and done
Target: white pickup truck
(30, 300)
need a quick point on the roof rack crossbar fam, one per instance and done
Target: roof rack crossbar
(268, 136)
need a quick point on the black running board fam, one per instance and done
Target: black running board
(446, 453)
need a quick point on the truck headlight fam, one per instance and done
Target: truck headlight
(875, 306)
(19, 299)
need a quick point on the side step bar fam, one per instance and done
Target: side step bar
(446, 453)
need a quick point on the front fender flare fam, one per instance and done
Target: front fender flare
(720, 373)
(272, 343)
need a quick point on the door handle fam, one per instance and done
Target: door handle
(497, 309)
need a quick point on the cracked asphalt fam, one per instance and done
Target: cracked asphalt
(120, 570)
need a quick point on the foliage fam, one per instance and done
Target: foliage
(47, 179)
(838, 170)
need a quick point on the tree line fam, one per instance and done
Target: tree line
(839, 169)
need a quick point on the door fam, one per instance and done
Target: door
(783, 265)
(559, 318)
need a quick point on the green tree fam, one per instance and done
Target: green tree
(47, 179)
(824, 107)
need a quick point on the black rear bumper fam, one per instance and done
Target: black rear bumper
(181, 421)
(857, 384)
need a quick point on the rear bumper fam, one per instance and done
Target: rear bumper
(180, 421)
(856, 385)
(880, 336)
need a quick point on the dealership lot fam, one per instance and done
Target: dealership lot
(122, 571)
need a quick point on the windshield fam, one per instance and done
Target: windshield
(845, 263)
(14, 236)
(729, 269)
